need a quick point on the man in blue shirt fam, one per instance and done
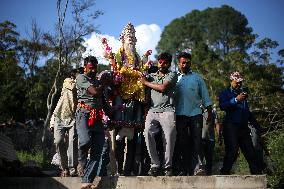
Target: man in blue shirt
(236, 132)
(191, 94)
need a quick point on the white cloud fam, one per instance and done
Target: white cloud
(94, 46)
(147, 36)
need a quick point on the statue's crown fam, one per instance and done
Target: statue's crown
(128, 31)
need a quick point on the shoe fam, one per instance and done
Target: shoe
(168, 172)
(223, 172)
(80, 170)
(65, 173)
(127, 173)
(154, 171)
(87, 186)
(199, 172)
(73, 172)
(181, 173)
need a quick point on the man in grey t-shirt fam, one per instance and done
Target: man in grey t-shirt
(89, 125)
(161, 113)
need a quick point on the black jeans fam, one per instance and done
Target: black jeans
(238, 136)
(188, 143)
(207, 152)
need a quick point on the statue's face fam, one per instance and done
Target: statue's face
(129, 44)
(130, 40)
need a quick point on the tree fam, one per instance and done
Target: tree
(12, 92)
(281, 55)
(222, 29)
(68, 45)
(265, 46)
(30, 51)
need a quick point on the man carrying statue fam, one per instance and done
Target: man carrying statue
(127, 67)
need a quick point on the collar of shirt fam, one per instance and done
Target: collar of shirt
(157, 74)
(180, 75)
(187, 73)
(233, 91)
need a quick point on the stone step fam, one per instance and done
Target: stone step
(140, 182)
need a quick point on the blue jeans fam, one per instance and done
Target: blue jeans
(93, 139)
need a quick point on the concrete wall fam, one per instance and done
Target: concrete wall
(196, 182)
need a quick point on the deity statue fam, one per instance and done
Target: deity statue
(127, 65)
(127, 68)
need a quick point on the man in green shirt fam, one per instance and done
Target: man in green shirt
(161, 113)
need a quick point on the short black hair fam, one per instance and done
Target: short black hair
(184, 55)
(80, 70)
(76, 71)
(73, 73)
(165, 56)
(91, 59)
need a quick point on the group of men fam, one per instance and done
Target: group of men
(175, 108)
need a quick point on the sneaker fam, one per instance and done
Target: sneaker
(154, 171)
(199, 172)
(168, 172)
(80, 170)
(181, 173)
(73, 172)
(65, 173)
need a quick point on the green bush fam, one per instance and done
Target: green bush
(27, 156)
(241, 166)
(275, 142)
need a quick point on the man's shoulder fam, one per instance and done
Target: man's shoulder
(171, 73)
(81, 76)
(81, 79)
(196, 75)
(226, 91)
(172, 76)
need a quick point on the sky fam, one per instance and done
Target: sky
(148, 16)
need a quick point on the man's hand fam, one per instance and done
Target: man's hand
(142, 79)
(209, 120)
(242, 96)
(220, 139)
(219, 129)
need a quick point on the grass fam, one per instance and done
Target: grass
(37, 157)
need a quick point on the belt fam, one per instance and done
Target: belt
(95, 114)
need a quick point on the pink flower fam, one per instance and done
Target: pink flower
(104, 40)
(108, 50)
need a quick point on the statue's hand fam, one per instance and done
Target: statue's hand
(148, 53)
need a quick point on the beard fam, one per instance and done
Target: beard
(92, 75)
(184, 69)
(163, 70)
